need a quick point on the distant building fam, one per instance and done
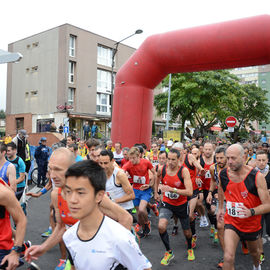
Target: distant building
(2, 127)
(63, 77)
(260, 75)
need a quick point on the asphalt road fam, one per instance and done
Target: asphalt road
(206, 253)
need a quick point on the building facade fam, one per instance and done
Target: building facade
(260, 75)
(65, 78)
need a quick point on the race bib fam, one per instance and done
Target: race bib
(154, 162)
(139, 179)
(171, 195)
(207, 174)
(233, 209)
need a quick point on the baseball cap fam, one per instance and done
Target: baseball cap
(23, 132)
(43, 139)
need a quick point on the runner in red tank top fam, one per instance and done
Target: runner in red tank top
(10, 249)
(247, 198)
(175, 186)
(192, 164)
(206, 161)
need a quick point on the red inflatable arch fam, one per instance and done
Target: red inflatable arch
(238, 43)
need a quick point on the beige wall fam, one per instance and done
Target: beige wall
(43, 80)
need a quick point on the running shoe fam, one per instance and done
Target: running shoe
(61, 265)
(245, 249)
(203, 222)
(191, 256)
(220, 264)
(193, 242)
(155, 209)
(47, 233)
(68, 265)
(175, 230)
(138, 227)
(168, 256)
(212, 231)
(147, 228)
(137, 238)
(262, 258)
(134, 211)
(216, 240)
(206, 224)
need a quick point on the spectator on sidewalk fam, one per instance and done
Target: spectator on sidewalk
(42, 155)
(86, 131)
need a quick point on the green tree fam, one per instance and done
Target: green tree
(252, 107)
(201, 97)
(2, 114)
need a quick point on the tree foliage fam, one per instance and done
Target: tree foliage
(206, 98)
(2, 114)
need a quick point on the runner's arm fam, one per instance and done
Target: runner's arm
(21, 178)
(221, 197)
(9, 201)
(213, 185)
(12, 205)
(154, 178)
(11, 174)
(196, 163)
(264, 196)
(188, 191)
(36, 251)
(116, 212)
(122, 179)
(37, 195)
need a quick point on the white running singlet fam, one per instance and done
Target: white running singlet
(112, 245)
(115, 191)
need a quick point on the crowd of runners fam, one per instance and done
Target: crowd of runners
(102, 195)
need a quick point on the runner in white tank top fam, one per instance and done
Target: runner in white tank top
(118, 187)
(115, 191)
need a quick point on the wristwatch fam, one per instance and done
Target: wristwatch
(252, 211)
(17, 249)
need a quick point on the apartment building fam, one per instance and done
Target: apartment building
(64, 77)
(260, 75)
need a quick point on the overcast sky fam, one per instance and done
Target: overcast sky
(115, 19)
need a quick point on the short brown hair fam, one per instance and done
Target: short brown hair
(134, 151)
(92, 142)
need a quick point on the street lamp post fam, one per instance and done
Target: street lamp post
(114, 52)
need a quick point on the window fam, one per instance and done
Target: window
(71, 70)
(104, 56)
(35, 44)
(71, 95)
(19, 123)
(34, 93)
(104, 83)
(72, 40)
(35, 68)
(103, 104)
(164, 116)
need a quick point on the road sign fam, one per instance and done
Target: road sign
(230, 129)
(230, 121)
(66, 129)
